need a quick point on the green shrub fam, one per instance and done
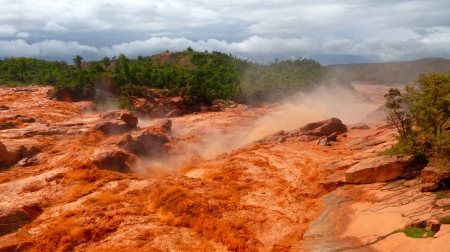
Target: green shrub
(441, 195)
(445, 220)
(415, 232)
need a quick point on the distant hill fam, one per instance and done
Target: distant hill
(391, 73)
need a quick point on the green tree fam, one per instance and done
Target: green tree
(429, 112)
(77, 61)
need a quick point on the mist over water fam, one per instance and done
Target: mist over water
(302, 108)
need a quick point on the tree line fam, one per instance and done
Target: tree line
(205, 76)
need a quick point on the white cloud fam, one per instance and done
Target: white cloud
(42, 49)
(253, 45)
(385, 30)
(22, 35)
(7, 30)
(53, 26)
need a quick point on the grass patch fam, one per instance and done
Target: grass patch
(445, 220)
(415, 232)
(441, 195)
(394, 150)
(446, 207)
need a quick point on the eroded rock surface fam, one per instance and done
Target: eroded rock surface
(262, 196)
(383, 168)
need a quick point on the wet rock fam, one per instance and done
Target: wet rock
(174, 113)
(324, 128)
(324, 142)
(117, 121)
(165, 124)
(15, 151)
(144, 143)
(124, 115)
(7, 125)
(45, 132)
(26, 119)
(113, 160)
(25, 162)
(334, 181)
(332, 137)
(429, 187)
(11, 221)
(431, 174)
(382, 168)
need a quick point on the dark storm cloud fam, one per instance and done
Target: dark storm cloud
(327, 30)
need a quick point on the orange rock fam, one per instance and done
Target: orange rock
(382, 168)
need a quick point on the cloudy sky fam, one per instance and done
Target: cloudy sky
(329, 31)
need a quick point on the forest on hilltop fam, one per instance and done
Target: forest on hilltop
(204, 76)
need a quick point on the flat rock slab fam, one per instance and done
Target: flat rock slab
(382, 168)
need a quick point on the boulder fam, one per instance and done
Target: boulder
(113, 160)
(431, 174)
(324, 142)
(142, 105)
(12, 220)
(429, 187)
(174, 113)
(15, 151)
(165, 124)
(176, 101)
(332, 137)
(324, 128)
(116, 122)
(124, 115)
(144, 143)
(382, 168)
